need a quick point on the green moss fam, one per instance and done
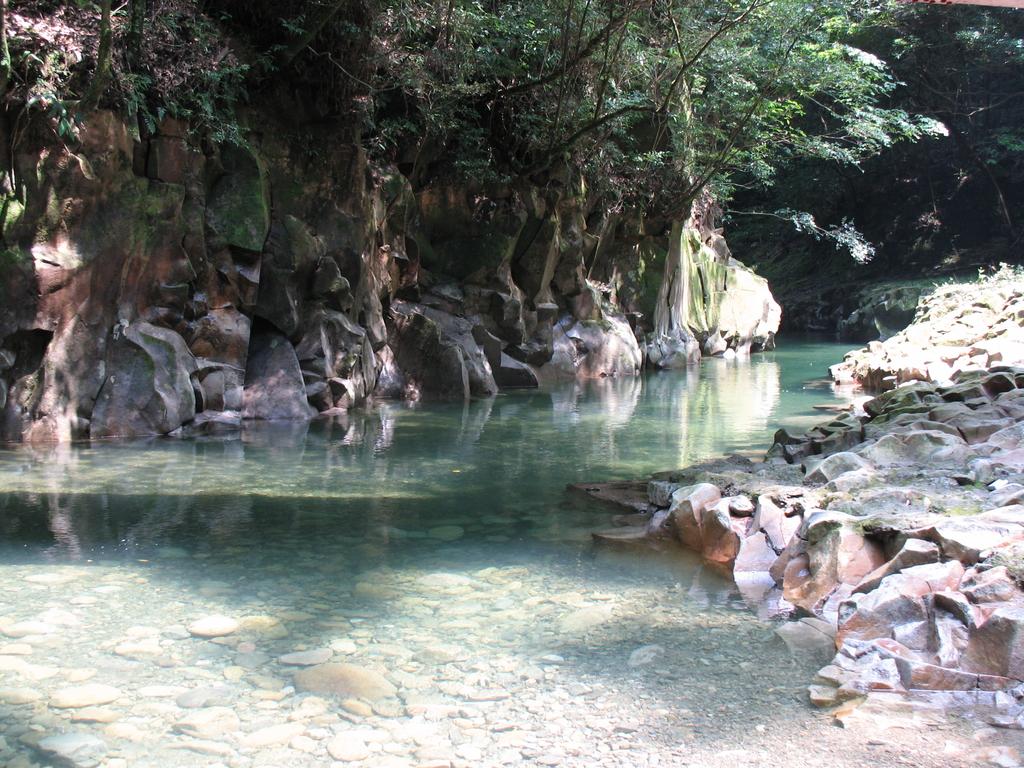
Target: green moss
(239, 206)
(13, 259)
(12, 215)
(1011, 558)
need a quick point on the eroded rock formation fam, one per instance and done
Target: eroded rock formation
(157, 284)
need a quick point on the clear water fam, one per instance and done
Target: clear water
(434, 544)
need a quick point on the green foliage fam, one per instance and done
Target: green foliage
(655, 99)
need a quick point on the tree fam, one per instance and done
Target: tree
(965, 68)
(656, 99)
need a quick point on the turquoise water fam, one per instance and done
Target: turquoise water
(485, 465)
(434, 548)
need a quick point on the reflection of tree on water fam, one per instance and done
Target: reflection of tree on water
(727, 406)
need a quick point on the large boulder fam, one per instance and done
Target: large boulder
(687, 510)
(748, 315)
(997, 647)
(924, 447)
(437, 353)
(274, 389)
(898, 600)
(147, 390)
(606, 347)
(837, 555)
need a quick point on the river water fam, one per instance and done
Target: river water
(432, 548)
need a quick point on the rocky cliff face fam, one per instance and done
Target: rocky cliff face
(156, 285)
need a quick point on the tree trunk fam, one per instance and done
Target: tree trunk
(967, 148)
(103, 56)
(5, 52)
(137, 26)
(674, 293)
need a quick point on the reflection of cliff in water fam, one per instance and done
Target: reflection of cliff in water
(722, 406)
(394, 468)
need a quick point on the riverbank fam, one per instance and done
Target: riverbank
(892, 534)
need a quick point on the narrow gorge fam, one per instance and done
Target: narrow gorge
(472, 384)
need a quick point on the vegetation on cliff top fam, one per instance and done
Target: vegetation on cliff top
(654, 100)
(948, 203)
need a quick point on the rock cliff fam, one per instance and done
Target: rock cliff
(157, 284)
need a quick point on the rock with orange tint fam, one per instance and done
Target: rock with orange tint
(346, 680)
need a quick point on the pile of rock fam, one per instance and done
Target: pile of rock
(900, 531)
(958, 327)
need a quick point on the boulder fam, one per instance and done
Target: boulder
(997, 646)
(833, 466)
(918, 674)
(437, 353)
(772, 521)
(1009, 438)
(147, 390)
(659, 492)
(512, 374)
(274, 389)
(938, 576)
(966, 540)
(741, 506)
(994, 585)
(913, 552)
(837, 554)
(665, 352)
(720, 537)
(923, 447)
(687, 509)
(605, 348)
(715, 345)
(898, 600)
(756, 555)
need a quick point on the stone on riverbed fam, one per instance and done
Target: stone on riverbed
(18, 696)
(91, 695)
(198, 698)
(272, 735)
(625, 534)
(584, 619)
(348, 748)
(78, 750)
(213, 626)
(306, 658)
(345, 680)
(208, 723)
